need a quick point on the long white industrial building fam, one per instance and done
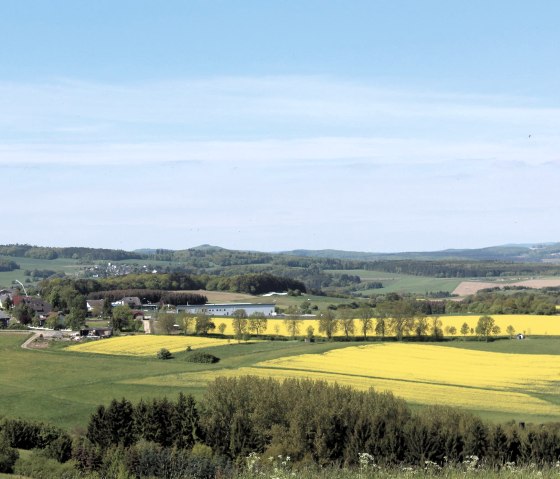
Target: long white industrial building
(227, 309)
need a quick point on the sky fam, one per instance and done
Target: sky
(378, 125)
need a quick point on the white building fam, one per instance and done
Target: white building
(227, 309)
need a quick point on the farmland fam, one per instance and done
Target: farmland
(146, 345)
(421, 374)
(540, 325)
(64, 385)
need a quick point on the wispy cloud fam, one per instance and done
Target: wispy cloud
(320, 162)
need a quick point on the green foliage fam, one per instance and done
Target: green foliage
(8, 455)
(40, 466)
(124, 424)
(328, 323)
(240, 323)
(201, 357)
(121, 317)
(164, 353)
(24, 434)
(485, 327)
(8, 265)
(203, 324)
(23, 313)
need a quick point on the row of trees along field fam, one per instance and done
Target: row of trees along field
(311, 422)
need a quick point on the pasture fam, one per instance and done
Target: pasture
(401, 283)
(67, 266)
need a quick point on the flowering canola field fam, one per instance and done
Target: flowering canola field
(145, 345)
(523, 323)
(420, 374)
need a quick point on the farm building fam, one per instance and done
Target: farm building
(4, 319)
(227, 309)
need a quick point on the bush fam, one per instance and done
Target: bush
(8, 456)
(24, 434)
(39, 466)
(200, 357)
(164, 354)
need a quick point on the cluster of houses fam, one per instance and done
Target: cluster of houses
(12, 298)
(42, 309)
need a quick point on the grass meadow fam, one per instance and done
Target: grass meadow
(67, 266)
(402, 283)
(501, 380)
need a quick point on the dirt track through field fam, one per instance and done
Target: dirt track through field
(471, 287)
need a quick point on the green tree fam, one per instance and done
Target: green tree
(107, 310)
(346, 322)
(380, 327)
(75, 320)
(121, 317)
(485, 327)
(239, 323)
(222, 328)
(293, 325)
(450, 330)
(437, 331)
(23, 313)
(310, 332)
(328, 324)
(401, 317)
(8, 303)
(257, 323)
(510, 330)
(166, 323)
(203, 324)
(186, 322)
(421, 326)
(465, 329)
(365, 316)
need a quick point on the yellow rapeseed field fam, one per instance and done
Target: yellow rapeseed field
(419, 373)
(522, 323)
(145, 345)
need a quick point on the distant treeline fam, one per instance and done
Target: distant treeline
(495, 301)
(8, 265)
(255, 283)
(311, 422)
(151, 295)
(42, 252)
(461, 269)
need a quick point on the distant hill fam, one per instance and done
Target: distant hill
(548, 252)
(531, 253)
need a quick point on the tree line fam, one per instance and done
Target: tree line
(152, 296)
(257, 283)
(312, 422)
(88, 254)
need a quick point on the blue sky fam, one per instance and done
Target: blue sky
(360, 125)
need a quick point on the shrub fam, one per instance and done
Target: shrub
(200, 357)
(39, 466)
(8, 456)
(164, 354)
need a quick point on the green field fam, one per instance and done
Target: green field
(64, 387)
(402, 283)
(68, 266)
